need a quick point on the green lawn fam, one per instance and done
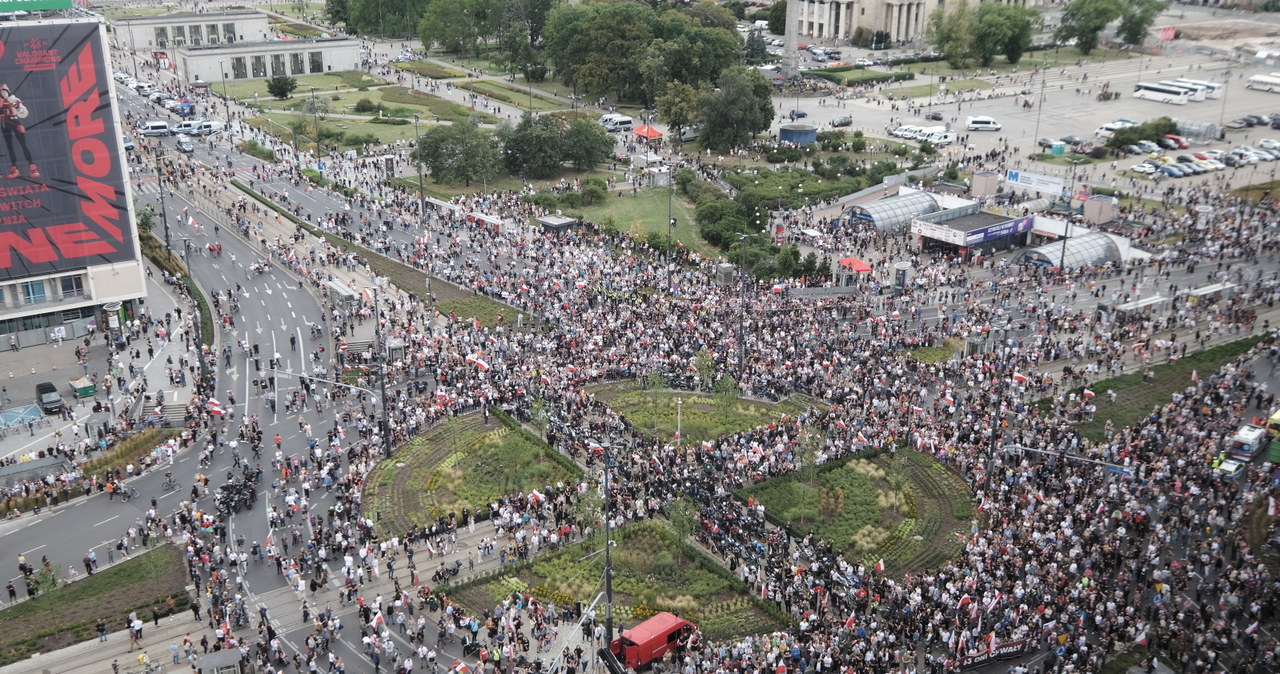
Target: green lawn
(113, 13)
(1068, 159)
(926, 90)
(653, 571)
(647, 212)
(65, 616)
(904, 509)
(703, 416)
(398, 102)
(1258, 191)
(1065, 56)
(430, 69)
(462, 463)
(483, 309)
(468, 63)
(247, 90)
(301, 30)
(512, 95)
(1135, 398)
(295, 9)
(385, 133)
(855, 75)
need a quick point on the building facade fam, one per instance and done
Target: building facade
(903, 20)
(170, 31)
(258, 60)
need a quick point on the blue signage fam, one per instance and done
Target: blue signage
(998, 230)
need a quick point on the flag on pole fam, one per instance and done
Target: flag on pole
(880, 566)
(1194, 377)
(1019, 377)
(852, 619)
(1273, 507)
(1089, 394)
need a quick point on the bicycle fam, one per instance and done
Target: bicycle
(127, 493)
(170, 484)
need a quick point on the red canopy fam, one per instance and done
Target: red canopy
(854, 264)
(648, 132)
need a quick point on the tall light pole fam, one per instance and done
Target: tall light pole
(226, 102)
(671, 225)
(417, 154)
(742, 312)
(1044, 77)
(608, 558)
(164, 213)
(382, 373)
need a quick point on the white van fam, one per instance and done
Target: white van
(982, 123)
(145, 88)
(188, 126)
(154, 127)
(908, 132)
(940, 138)
(614, 122)
(208, 127)
(1247, 442)
(688, 133)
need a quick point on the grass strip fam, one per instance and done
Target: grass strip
(66, 615)
(433, 70)
(1136, 398)
(402, 275)
(510, 95)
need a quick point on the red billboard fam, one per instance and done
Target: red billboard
(63, 202)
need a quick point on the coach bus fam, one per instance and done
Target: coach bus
(1211, 89)
(1160, 93)
(1269, 83)
(1195, 94)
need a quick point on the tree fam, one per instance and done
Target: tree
(458, 153)
(1026, 23)
(1082, 20)
(459, 25)
(384, 17)
(281, 86)
(532, 148)
(739, 107)
(1139, 15)
(599, 47)
(755, 50)
(712, 16)
(778, 18)
(317, 107)
(586, 144)
(951, 31)
(678, 107)
(993, 26)
(337, 11)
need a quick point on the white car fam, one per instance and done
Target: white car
(1217, 165)
(1143, 168)
(1269, 144)
(864, 62)
(1214, 154)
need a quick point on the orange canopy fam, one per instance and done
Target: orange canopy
(854, 264)
(648, 132)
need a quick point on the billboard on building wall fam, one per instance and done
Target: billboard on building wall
(63, 199)
(32, 5)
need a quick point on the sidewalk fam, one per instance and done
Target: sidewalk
(20, 371)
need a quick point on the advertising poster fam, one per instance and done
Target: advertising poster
(63, 201)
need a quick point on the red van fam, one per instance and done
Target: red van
(651, 639)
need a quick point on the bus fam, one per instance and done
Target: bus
(1211, 89)
(1195, 94)
(1160, 93)
(1269, 83)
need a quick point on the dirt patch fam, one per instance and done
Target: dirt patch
(1230, 29)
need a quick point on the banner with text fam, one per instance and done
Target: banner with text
(62, 179)
(1005, 650)
(1035, 182)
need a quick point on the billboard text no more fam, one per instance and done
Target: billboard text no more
(63, 200)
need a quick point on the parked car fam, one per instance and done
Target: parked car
(798, 114)
(1148, 146)
(1171, 171)
(1144, 168)
(1073, 140)
(933, 116)
(185, 144)
(843, 121)
(1131, 149)
(1046, 142)
(48, 398)
(1239, 123)
(1258, 120)
(1179, 140)
(1269, 144)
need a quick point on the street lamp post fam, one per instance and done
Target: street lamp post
(608, 558)
(671, 226)
(382, 373)
(164, 213)
(742, 312)
(226, 102)
(417, 153)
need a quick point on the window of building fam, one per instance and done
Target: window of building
(2, 296)
(317, 61)
(33, 292)
(211, 32)
(277, 65)
(259, 66)
(296, 64)
(197, 35)
(229, 32)
(72, 285)
(162, 37)
(238, 69)
(179, 36)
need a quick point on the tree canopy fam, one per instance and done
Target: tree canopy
(458, 153)
(1083, 20)
(740, 106)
